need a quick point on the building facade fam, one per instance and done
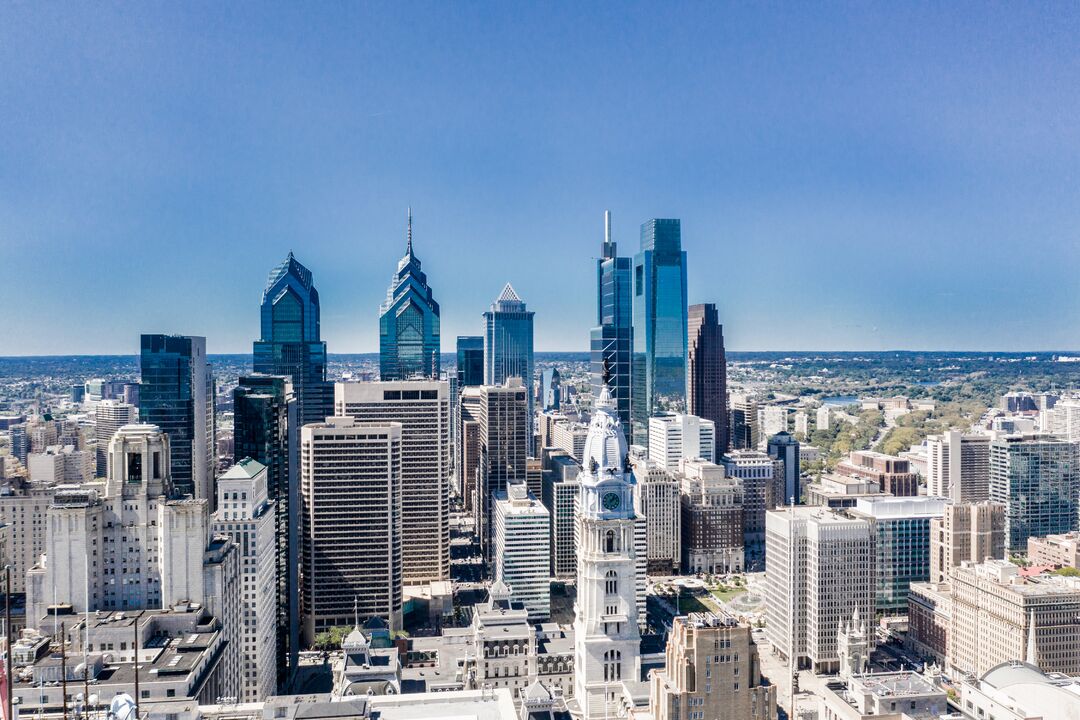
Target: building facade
(712, 519)
(508, 347)
(409, 334)
(1037, 479)
(677, 437)
(611, 341)
(706, 371)
(470, 360)
(110, 416)
(965, 531)
(784, 447)
(958, 466)
(522, 551)
(658, 501)
(1062, 550)
(892, 474)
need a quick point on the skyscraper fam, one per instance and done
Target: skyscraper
(508, 346)
(611, 341)
(409, 343)
(1037, 479)
(660, 334)
(111, 415)
(521, 534)
(291, 343)
(470, 360)
(783, 446)
(550, 389)
(177, 395)
(706, 371)
(266, 428)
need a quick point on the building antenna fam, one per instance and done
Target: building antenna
(408, 232)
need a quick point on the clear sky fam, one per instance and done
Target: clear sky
(863, 176)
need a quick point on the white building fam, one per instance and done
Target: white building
(774, 419)
(822, 419)
(23, 508)
(110, 416)
(1063, 419)
(819, 569)
(350, 523)
(657, 500)
(522, 551)
(958, 466)
(674, 437)
(570, 436)
(246, 514)
(61, 464)
(802, 423)
(422, 407)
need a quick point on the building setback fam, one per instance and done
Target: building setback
(409, 333)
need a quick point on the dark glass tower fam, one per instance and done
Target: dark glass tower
(470, 360)
(784, 446)
(659, 359)
(290, 344)
(508, 346)
(409, 344)
(706, 371)
(611, 341)
(266, 429)
(177, 395)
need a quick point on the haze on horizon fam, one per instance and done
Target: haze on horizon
(848, 176)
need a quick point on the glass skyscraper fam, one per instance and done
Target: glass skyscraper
(611, 341)
(508, 345)
(658, 369)
(266, 428)
(409, 343)
(470, 360)
(706, 371)
(177, 395)
(290, 344)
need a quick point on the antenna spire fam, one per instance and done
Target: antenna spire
(408, 246)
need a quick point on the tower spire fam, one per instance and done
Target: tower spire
(408, 233)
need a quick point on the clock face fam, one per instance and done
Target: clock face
(611, 501)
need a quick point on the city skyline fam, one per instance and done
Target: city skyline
(817, 160)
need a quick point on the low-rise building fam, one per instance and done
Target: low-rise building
(929, 613)
(892, 474)
(841, 491)
(1019, 691)
(1062, 550)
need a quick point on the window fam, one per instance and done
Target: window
(611, 582)
(612, 665)
(609, 542)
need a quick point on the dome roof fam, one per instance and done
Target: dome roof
(605, 445)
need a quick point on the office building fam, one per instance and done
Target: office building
(673, 438)
(820, 568)
(409, 336)
(570, 436)
(1061, 550)
(967, 531)
(177, 395)
(1000, 616)
(508, 347)
(247, 515)
(712, 668)
(774, 420)
(291, 343)
(470, 360)
(522, 552)
(19, 439)
(559, 495)
(784, 447)
(706, 371)
(821, 420)
(744, 423)
(658, 368)
(23, 508)
(929, 616)
(110, 416)
(61, 464)
(422, 407)
(266, 428)
(802, 423)
(611, 341)
(712, 519)
(658, 500)
(892, 474)
(350, 523)
(607, 643)
(902, 538)
(467, 449)
(1037, 479)
(762, 480)
(958, 466)
(1063, 419)
(550, 390)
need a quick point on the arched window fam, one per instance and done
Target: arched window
(612, 665)
(609, 542)
(611, 582)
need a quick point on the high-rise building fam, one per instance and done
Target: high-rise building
(1037, 479)
(508, 347)
(502, 445)
(247, 515)
(744, 423)
(784, 447)
(559, 495)
(658, 368)
(409, 336)
(550, 389)
(892, 474)
(821, 419)
(522, 527)
(706, 371)
(470, 360)
(657, 500)
(611, 341)
(902, 530)
(673, 438)
(23, 508)
(266, 428)
(958, 466)
(762, 479)
(712, 519)
(607, 643)
(968, 531)
(774, 419)
(422, 407)
(111, 416)
(998, 616)
(350, 523)
(291, 342)
(177, 395)
(712, 668)
(820, 568)
(20, 441)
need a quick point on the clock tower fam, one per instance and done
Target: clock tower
(607, 643)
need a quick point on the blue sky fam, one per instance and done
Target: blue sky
(849, 176)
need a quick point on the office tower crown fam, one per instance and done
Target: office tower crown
(290, 304)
